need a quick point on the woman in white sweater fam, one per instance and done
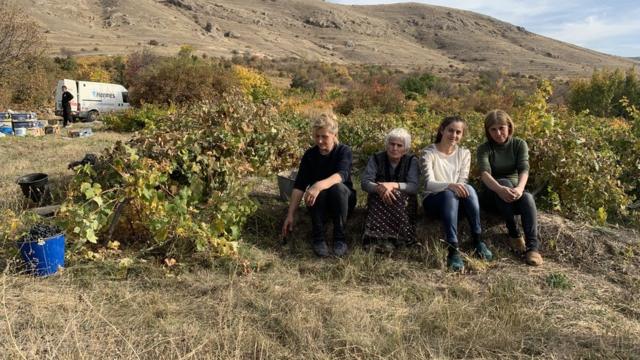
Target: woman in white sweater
(445, 166)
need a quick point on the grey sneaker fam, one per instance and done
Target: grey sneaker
(320, 248)
(340, 248)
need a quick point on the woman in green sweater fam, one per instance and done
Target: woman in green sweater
(503, 164)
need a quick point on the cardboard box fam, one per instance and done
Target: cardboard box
(37, 131)
(52, 129)
(80, 132)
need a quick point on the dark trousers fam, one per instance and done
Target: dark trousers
(525, 207)
(337, 202)
(446, 206)
(66, 115)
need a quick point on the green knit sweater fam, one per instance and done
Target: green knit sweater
(506, 160)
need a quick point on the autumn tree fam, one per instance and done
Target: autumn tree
(21, 39)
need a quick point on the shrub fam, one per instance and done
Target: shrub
(134, 119)
(378, 93)
(180, 80)
(579, 157)
(29, 86)
(68, 63)
(364, 131)
(300, 81)
(185, 51)
(558, 281)
(136, 63)
(179, 188)
(601, 95)
(254, 84)
(418, 84)
(92, 72)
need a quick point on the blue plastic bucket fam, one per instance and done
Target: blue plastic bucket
(45, 257)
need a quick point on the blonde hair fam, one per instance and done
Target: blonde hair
(497, 117)
(324, 120)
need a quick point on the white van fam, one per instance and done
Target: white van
(90, 99)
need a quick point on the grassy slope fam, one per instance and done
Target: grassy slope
(582, 303)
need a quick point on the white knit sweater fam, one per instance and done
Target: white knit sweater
(440, 169)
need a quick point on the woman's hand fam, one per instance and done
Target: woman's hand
(287, 227)
(311, 194)
(385, 191)
(517, 192)
(385, 186)
(508, 194)
(459, 189)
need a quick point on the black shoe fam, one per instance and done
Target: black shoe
(340, 248)
(367, 244)
(320, 248)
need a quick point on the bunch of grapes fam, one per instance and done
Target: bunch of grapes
(40, 231)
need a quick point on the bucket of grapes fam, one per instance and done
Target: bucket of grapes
(42, 249)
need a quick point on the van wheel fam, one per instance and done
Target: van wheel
(92, 116)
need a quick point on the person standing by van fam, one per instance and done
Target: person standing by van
(66, 106)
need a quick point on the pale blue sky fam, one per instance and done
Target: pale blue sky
(611, 27)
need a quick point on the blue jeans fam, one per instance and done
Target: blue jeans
(525, 207)
(446, 206)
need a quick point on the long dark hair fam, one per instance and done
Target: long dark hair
(446, 122)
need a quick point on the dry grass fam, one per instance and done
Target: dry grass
(48, 154)
(292, 305)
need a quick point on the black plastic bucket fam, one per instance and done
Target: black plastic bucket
(34, 186)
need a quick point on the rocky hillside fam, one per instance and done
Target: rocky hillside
(404, 35)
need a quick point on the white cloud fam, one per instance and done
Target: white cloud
(594, 28)
(508, 10)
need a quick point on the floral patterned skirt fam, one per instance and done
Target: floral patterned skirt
(396, 221)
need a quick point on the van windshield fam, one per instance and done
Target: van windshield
(125, 97)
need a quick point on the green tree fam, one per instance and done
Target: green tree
(601, 94)
(415, 84)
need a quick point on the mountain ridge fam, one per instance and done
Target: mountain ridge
(400, 35)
